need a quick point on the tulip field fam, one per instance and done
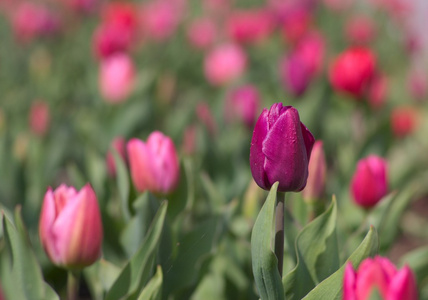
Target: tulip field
(213, 149)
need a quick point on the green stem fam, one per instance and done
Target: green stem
(73, 285)
(279, 230)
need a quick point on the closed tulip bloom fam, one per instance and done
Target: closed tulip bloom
(70, 226)
(352, 71)
(280, 149)
(249, 26)
(243, 104)
(117, 78)
(224, 64)
(379, 275)
(317, 173)
(154, 164)
(39, 118)
(370, 181)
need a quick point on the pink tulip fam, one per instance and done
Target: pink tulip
(160, 18)
(83, 6)
(205, 116)
(39, 118)
(417, 83)
(317, 173)
(189, 140)
(117, 78)
(249, 26)
(70, 226)
(379, 274)
(360, 30)
(296, 23)
(243, 103)
(370, 181)
(154, 164)
(378, 91)
(224, 64)
(118, 144)
(404, 120)
(202, 33)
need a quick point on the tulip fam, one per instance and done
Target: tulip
(378, 91)
(417, 84)
(243, 104)
(280, 149)
(83, 6)
(360, 30)
(39, 118)
(117, 78)
(224, 64)
(370, 181)
(379, 275)
(70, 227)
(352, 71)
(202, 33)
(404, 121)
(119, 145)
(317, 173)
(154, 164)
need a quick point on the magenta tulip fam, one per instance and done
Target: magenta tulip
(154, 164)
(317, 173)
(370, 181)
(379, 275)
(280, 149)
(70, 226)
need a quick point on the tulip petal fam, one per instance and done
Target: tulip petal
(349, 282)
(371, 275)
(308, 139)
(403, 286)
(257, 157)
(140, 163)
(284, 146)
(47, 218)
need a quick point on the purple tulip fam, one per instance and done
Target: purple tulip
(280, 149)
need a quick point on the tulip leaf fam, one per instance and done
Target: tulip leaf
(317, 255)
(153, 289)
(122, 183)
(25, 275)
(264, 261)
(331, 288)
(137, 271)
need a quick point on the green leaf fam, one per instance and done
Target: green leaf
(153, 289)
(25, 275)
(100, 277)
(331, 288)
(137, 271)
(317, 255)
(418, 262)
(264, 261)
(122, 183)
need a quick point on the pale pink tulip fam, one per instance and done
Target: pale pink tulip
(39, 118)
(70, 226)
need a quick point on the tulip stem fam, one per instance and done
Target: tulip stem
(73, 285)
(279, 230)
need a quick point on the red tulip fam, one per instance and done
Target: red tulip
(404, 120)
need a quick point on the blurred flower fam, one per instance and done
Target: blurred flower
(224, 64)
(249, 26)
(205, 116)
(280, 149)
(216, 6)
(189, 140)
(369, 183)
(202, 33)
(160, 18)
(118, 144)
(378, 91)
(154, 164)
(296, 23)
(379, 275)
(338, 5)
(116, 78)
(317, 174)
(32, 20)
(39, 118)
(70, 226)
(404, 120)
(299, 68)
(82, 6)
(352, 71)
(417, 83)
(360, 30)
(117, 31)
(243, 103)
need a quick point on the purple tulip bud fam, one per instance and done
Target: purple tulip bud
(280, 149)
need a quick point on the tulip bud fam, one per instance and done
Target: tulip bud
(280, 149)
(370, 181)
(243, 104)
(39, 118)
(117, 78)
(224, 64)
(70, 227)
(404, 121)
(352, 71)
(317, 173)
(154, 164)
(379, 275)
(360, 30)
(119, 145)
